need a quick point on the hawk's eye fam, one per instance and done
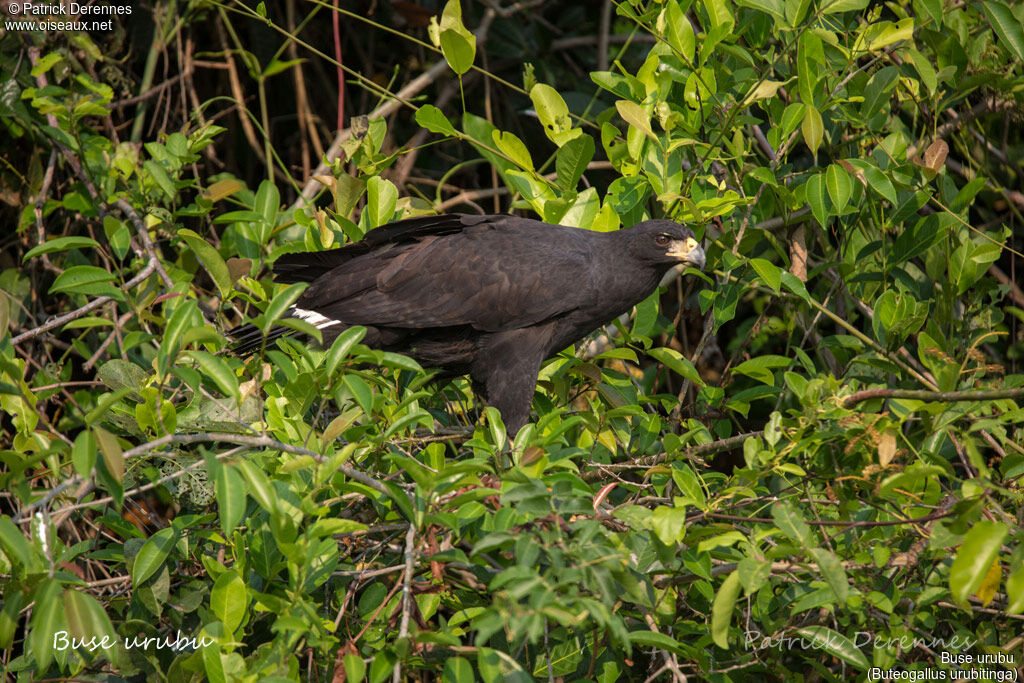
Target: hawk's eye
(662, 240)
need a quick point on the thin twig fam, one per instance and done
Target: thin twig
(87, 365)
(147, 243)
(38, 209)
(696, 452)
(410, 565)
(79, 312)
(933, 396)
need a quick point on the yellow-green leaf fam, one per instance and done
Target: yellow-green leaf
(722, 607)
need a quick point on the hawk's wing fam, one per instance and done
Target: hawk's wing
(494, 275)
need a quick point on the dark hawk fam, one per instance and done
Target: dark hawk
(487, 296)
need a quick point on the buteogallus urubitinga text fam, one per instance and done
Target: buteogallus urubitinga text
(487, 296)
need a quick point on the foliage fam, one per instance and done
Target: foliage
(842, 492)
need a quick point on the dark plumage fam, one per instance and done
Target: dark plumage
(487, 296)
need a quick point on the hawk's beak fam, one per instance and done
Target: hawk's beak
(687, 251)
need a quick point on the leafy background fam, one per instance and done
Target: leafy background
(818, 439)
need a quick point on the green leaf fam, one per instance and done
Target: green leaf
(833, 573)
(840, 188)
(1006, 26)
(84, 280)
(812, 128)
(668, 523)
(622, 85)
(355, 668)
(788, 519)
(83, 453)
(553, 114)
(837, 6)
(419, 417)
(810, 59)
(836, 644)
(152, 555)
(381, 200)
(689, 484)
(1015, 591)
(44, 63)
(458, 49)
(113, 456)
(268, 200)
(877, 91)
(159, 175)
(360, 390)
(258, 485)
(513, 148)
(281, 303)
(210, 258)
(13, 543)
(537, 193)
(183, 318)
(86, 618)
(658, 641)
(925, 70)
(792, 116)
(646, 316)
(720, 15)
(758, 367)
(223, 188)
(496, 426)
(231, 496)
(572, 160)
(457, 44)
(774, 8)
(47, 621)
(5, 316)
(892, 33)
(796, 10)
(229, 599)
(342, 346)
(217, 369)
(480, 131)
(457, 670)
(60, 244)
(796, 286)
(118, 235)
(433, 119)
(584, 211)
(816, 199)
(933, 9)
(769, 273)
(678, 30)
(875, 179)
(754, 573)
(977, 553)
(276, 66)
(636, 116)
(676, 362)
(722, 608)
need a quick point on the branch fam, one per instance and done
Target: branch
(691, 452)
(933, 396)
(410, 566)
(79, 312)
(147, 243)
(313, 186)
(261, 441)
